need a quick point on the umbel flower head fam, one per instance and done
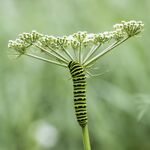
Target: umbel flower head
(81, 47)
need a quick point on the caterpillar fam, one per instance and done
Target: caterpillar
(79, 84)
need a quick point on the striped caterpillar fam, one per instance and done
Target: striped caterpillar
(79, 84)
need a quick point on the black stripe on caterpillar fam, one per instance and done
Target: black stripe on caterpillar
(79, 84)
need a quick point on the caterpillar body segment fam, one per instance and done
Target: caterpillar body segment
(79, 84)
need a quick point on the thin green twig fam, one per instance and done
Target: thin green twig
(63, 57)
(104, 52)
(46, 60)
(51, 54)
(67, 53)
(86, 139)
(91, 52)
(80, 54)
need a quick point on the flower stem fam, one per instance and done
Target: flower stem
(115, 44)
(44, 59)
(86, 139)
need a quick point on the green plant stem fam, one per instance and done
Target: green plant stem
(44, 59)
(115, 44)
(86, 139)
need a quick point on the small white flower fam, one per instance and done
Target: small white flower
(64, 49)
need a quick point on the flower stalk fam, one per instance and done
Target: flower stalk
(86, 139)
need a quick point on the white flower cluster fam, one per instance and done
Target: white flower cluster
(24, 41)
(122, 30)
(18, 45)
(30, 37)
(130, 28)
(48, 41)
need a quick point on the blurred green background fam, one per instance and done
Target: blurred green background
(36, 100)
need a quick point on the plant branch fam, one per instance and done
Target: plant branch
(79, 53)
(67, 53)
(91, 52)
(46, 60)
(51, 54)
(58, 54)
(115, 44)
(86, 139)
